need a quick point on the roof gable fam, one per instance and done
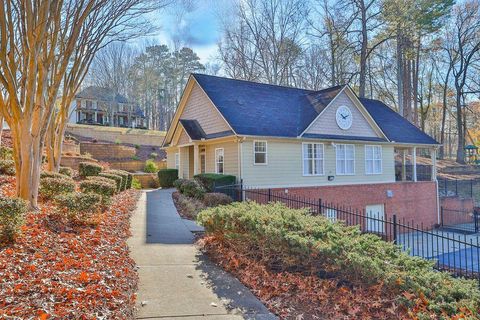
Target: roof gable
(103, 94)
(362, 125)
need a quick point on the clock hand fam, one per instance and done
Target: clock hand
(343, 117)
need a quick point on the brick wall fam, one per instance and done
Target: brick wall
(456, 210)
(147, 180)
(134, 165)
(412, 201)
(70, 147)
(73, 161)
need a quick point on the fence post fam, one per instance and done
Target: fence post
(319, 206)
(395, 229)
(475, 217)
(456, 186)
(441, 216)
(471, 188)
(269, 195)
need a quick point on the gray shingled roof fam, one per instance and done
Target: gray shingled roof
(103, 94)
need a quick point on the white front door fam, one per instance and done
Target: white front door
(375, 218)
(203, 162)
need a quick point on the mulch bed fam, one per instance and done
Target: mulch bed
(79, 273)
(298, 296)
(187, 208)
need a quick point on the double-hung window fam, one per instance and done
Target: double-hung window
(177, 160)
(373, 159)
(313, 159)
(345, 156)
(260, 152)
(219, 160)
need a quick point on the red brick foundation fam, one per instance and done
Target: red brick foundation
(412, 201)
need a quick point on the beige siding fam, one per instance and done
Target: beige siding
(184, 162)
(285, 167)
(200, 108)
(171, 157)
(326, 123)
(230, 157)
(184, 138)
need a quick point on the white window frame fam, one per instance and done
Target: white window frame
(217, 150)
(313, 160)
(373, 160)
(177, 160)
(255, 152)
(345, 160)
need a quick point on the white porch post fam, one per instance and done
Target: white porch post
(404, 165)
(196, 159)
(433, 155)
(414, 157)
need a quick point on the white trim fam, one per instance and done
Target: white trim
(373, 159)
(223, 160)
(313, 160)
(318, 116)
(266, 153)
(327, 183)
(354, 160)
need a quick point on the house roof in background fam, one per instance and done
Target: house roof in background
(103, 94)
(259, 109)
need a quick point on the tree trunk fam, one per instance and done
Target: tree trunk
(363, 51)
(444, 114)
(400, 75)
(1, 128)
(460, 134)
(415, 70)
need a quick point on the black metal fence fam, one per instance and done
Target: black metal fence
(453, 252)
(459, 220)
(467, 188)
(424, 172)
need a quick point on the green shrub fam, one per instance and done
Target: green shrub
(294, 240)
(12, 217)
(214, 199)
(153, 155)
(113, 177)
(136, 184)
(86, 169)
(112, 181)
(129, 180)
(123, 175)
(79, 207)
(210, 180)
(48, 174)
(192, 188)
(7, 167)
(166, 177)
(66, 171)
(6, 153)
(106, 190)
(150, 166)
(51, 187)
(178, 184)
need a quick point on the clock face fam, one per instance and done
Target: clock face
(344, 117)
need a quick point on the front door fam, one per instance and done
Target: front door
(375, 218)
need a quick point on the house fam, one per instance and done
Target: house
(103, 106)
(326, 144)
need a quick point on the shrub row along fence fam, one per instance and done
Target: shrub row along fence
(453, 252)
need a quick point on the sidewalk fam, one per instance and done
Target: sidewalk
(176, 280)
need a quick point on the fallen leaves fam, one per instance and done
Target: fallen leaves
(297, 296)
(82, 274)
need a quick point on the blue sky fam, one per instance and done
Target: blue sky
(197, 26)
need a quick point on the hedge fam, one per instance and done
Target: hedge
(214, 199)
(49, 174)
(291, 239)
(66, 171)
(12, 217)
(51, 187)
(190, 188)
(106, 190)
(86, 169)
(111, 179)
(6, 153)
(166, 177)
(7, 167)
(123, 175)
(150, 166)
(210, 180)
(79, 207)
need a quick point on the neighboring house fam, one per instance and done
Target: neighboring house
(103, 106)
(326, 144)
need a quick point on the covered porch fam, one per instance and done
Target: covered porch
(191, 160)
(413, 163)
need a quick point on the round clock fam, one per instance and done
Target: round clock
(344, 117)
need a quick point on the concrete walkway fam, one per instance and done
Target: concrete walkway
(176, 280)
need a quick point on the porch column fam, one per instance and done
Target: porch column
(404, 165)
(433, 155)
(196, 159)
(414, 157)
